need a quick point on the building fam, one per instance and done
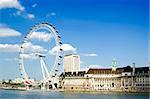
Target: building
(71, 63)
(18, 80)
(71, 80)
(127, 78)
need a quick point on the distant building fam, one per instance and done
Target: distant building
(71, 63)
(18, 80)
(119, 79)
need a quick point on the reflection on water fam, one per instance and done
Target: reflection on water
(13, 94)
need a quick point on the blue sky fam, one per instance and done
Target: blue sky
(99, 30)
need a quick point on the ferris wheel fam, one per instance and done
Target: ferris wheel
(47, 74)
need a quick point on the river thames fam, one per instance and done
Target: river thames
(15, 94)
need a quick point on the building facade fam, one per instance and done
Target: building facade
(71, 63)
(121, 79)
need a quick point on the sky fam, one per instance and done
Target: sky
(98, 30)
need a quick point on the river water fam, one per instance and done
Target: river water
(15, 94)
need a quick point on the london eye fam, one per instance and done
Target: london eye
(33, 50)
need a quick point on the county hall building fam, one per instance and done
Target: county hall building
(128, 78)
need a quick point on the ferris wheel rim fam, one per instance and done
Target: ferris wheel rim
(58, 43)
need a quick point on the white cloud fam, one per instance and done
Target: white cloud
(11, 4)
(16, 4)
(18, 13)
(91, 54)
(6, 32)
(9, 47)
(24, 15)
(67, 48)
(29, 47)
(30, 16)
(29, 56)
(43, 36)
(34, 5)
(50, 14)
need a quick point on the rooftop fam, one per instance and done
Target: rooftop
(106, 71)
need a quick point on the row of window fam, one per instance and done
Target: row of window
(107, 79)
(142, 80)
(142, 84)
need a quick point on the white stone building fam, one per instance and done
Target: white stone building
(115, 79)
(71, 63)
(122, 79)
